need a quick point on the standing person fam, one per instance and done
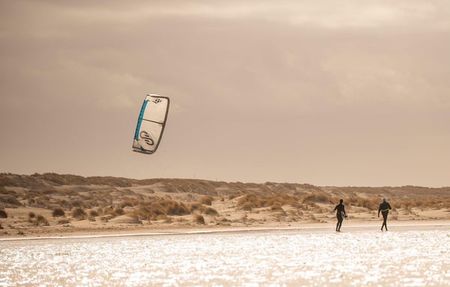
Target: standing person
(384, 209)
(340, 214)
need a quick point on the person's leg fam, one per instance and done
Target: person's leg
(385, 216)
(340, 223)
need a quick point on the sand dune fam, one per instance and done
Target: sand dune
(51, 203)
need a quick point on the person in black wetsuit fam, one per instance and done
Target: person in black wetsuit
(384, 209)
(340, 214)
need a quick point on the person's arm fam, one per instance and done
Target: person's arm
(335, 208)
(389, 206)
(343, 209)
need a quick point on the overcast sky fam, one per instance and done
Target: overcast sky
(324, 92)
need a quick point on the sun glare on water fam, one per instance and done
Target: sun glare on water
(288, 258)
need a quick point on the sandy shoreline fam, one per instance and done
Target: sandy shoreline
(307, 227)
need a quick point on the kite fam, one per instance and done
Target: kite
(150, 125)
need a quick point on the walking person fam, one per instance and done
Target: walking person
(384, 209)
(340, 214)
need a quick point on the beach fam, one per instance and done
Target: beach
(361, 255)
(66, 230)
(43, 205)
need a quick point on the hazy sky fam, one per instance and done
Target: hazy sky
(324, 92)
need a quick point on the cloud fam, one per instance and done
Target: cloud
(292, 87)
(322, 13)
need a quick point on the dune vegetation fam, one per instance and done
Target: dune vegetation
(48, 202)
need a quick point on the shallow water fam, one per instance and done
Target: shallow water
(280, 258)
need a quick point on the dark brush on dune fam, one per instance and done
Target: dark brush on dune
(152, 198)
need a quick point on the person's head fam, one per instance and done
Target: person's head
(384, 199)
(341, 201)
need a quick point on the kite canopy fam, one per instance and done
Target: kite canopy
(150, 124)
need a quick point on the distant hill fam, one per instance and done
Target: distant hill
(209, 187)
(193, 201)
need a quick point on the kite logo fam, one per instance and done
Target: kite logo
(157, 101)
(146, 137)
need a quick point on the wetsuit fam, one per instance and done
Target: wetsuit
(340, 213)
(384, 209)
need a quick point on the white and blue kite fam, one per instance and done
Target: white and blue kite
(150, 124)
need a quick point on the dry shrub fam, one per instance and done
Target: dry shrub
(41, 221)
(150, 210)
(447, 204)
(129, 201)
(58, 212)
(322, 210)
(172, 207)
(247, 206)
(313, 217)
(64, 221)
(108, 210)
(211, 211)
(7, 200)
(407, 205)
(76, 203)
(64, 203)
(142, 212)
(197, 206)
(3, 190)
(1, 227)
(106, 218)
(42, 202)
(276, 207)
(93, 213)
(224, 219)
(313, 206)
(408, 209)
(206, 200)
(283, 199)
(31, 216)
(250, 201)
(317, 197)
(79, 213)
(118, 211)
(429, 202)
(371, 204)
(3, 214)
(199, 219)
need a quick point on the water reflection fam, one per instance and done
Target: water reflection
(412, 258)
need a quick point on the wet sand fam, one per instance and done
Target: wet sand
(308, 227)
(408, 255)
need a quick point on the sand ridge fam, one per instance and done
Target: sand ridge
(54, 204)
